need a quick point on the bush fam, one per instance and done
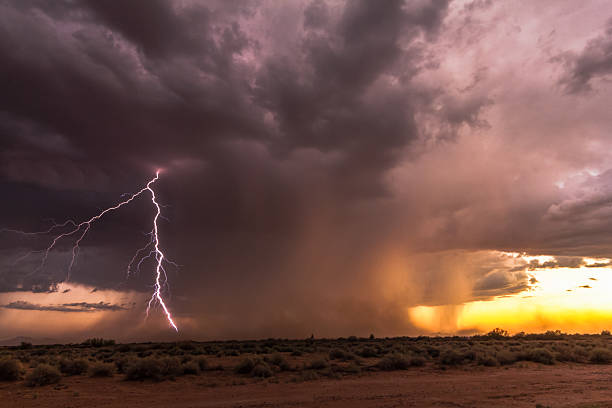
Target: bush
(394, 362)
(318, 364)
(487, 360)
(202, 363)
(73, 367)
(368, 352)
(308, 376)
(101, 370)
(540, 355)
(417, 361)
(170, 367)
(338, 354)
(451, 357)
(279, 361)
(245, 366)
(42, 375)
(566, 353)
(506, 357)
(191, 367)
(122, 364)
(10, 370)
(600, 355)
(153, 369)
(262, 370)
(146, 368)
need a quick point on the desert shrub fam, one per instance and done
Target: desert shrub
(42, 375)
(394, 362)
(505, 357)
(202, 363)
(540, 355)
(566, 353)
(470, 355)
(154, 369)
(352, 368)
(122, 364)
(25, 345)
(338, 354)
(190, 367)
(10, 370)
(605, 332)
(73, 367)
(170, 367)
(262, 370)
(101, 370)
(417, 361)
(487, 360)
(600, 355)
(581, 353)
(245, 366)
(319, 364)
(451, 357)
(297, 353)
(141, 369)
(368, 352)
(279, 361)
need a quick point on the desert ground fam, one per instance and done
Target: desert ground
(549, 370)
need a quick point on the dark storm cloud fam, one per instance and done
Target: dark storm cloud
(333, 103)
(593, 62)
(102, 97)
(269, 148)
(282, 129)
(65, 307)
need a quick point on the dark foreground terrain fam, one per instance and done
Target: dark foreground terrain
(546, 370)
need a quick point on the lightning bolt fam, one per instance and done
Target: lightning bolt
(159, 255)
(81, 229)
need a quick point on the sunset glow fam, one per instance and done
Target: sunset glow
(574, 300)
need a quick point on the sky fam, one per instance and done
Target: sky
(327, 167)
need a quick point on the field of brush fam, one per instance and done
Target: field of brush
(282, 360)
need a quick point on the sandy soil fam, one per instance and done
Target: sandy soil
(554, 386)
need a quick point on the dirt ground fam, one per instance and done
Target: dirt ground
(555, 386)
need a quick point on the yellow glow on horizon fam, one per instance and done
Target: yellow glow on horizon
(568, 299)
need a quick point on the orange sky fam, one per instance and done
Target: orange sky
(574, 300)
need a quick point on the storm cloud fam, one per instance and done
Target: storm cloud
(326, 164)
